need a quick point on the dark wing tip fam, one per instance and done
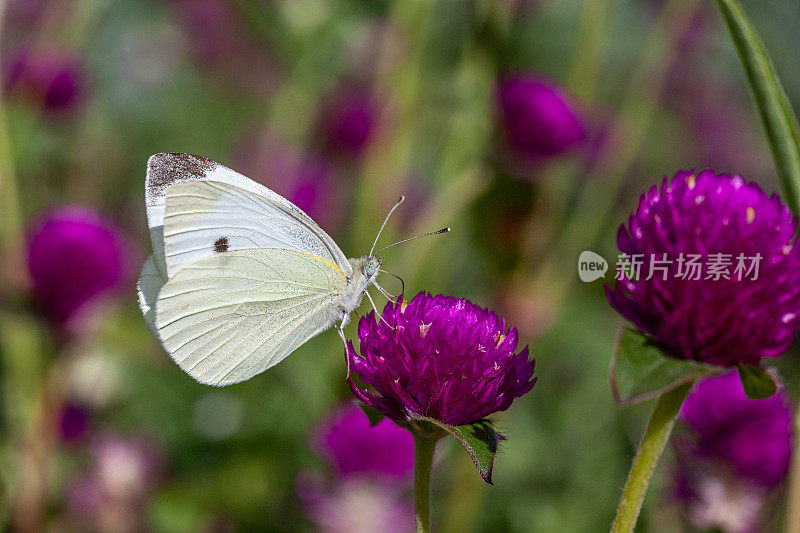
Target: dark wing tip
(167, 168)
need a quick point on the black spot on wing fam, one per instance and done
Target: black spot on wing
(221, 245)
(165, 169)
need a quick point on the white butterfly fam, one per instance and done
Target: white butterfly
(239, 277)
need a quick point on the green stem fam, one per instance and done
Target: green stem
(644, 464)
(793, 499)
(423, 463)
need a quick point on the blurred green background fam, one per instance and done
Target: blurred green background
(657, 84)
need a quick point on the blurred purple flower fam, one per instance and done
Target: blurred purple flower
(713, 500)
(348, 122)
(312, 189)
(308, 180)
(440, 357)
(109, 496)
(26, 13)
(125, 467)
(354, 448)
(356, 506)
(211, 26)
(74, 256)
(754, 437)
(54, 80)
(538, 119)
(74, 422)
(718, 321)
(222, 44)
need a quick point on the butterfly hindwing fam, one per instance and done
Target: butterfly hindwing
(147, 289)
(232, 315)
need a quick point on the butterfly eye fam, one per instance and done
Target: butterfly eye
(369, 268)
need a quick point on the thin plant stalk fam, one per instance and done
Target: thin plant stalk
(39, 447)
(424, 447)
(644, 464)
(10, 217)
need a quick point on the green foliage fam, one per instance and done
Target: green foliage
(777, 115)
(479, 438)
(758, 383)
(641, 370)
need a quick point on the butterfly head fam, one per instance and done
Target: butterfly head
(372, 265)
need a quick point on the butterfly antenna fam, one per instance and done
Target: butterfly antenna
(402, 283)
(443, 230)
(376, 310)
(399, 201)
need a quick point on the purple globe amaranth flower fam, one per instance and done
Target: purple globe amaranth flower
(439, 357)
(724, 272)
(355, 448)
(74, 256)
(54, 80)
(348, 122)
(754, 437)
(538, 118)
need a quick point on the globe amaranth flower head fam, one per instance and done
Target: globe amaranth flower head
(355, 448)
(440, 357)
(74, 256)
(538, 118)
(754, 437)
(723, 269)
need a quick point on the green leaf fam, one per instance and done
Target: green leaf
(780, 121)
(373, 414)
(640, 370)
(757, 382)
(479, 438)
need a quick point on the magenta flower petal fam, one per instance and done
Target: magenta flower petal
(718, 321)
(443, 358)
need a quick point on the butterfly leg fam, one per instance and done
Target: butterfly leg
(340, 330)
(377, 313)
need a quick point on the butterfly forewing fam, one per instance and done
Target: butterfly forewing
(207, 217)
(230, 316)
